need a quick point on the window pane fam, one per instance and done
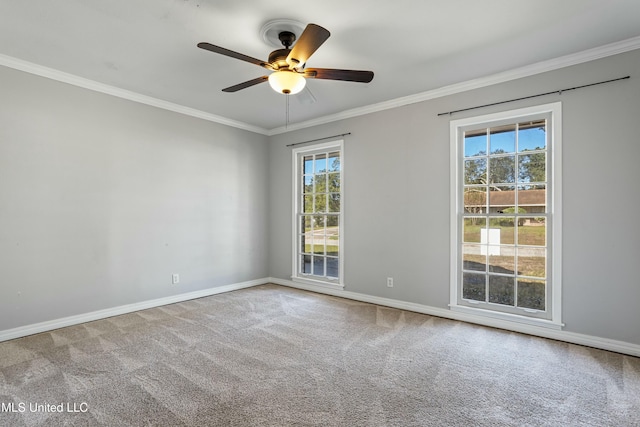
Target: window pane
(333, 248)
(501, 198)
(475, 143)
(321, 163)
(334, 202)
(532, 136)
(532, 167)
(306, 244)
(320, 231)
(532, 294)
(502, 259)
(301, 243)
(334, 162)
(307, 165)
(532, 261)
(332, 221)
(334, 182)
(320, 181)
(472, 228)
(317, 238)
(332, 236)
(501, 290)
(305, 265)
(319, 224)
(307, 204)
(333, 267)
(318, 265)
(473, 259)
(502, 139)
(502, 169)
(308, 183)
(475, 199)
(305, 223)
(475, 171)
(473, 286)
(532, 199)
(503, 230)
(318, 245)
(532, 231)
(321, 203)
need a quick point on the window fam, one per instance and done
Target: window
(506, 215)
(317, 245)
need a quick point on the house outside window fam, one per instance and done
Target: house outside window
(506, 222)
(318, 214)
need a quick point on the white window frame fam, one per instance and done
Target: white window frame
(554, 200)
(297, 153)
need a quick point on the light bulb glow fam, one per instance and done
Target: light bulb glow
(287, 82)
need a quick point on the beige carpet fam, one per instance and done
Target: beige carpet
(274, 356)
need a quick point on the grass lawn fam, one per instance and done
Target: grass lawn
(320, 250)
(534, 235)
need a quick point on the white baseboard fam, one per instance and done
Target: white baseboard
(50, 325)
(560, 335)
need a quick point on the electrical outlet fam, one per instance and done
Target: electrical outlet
(175, 279)
(389, 282)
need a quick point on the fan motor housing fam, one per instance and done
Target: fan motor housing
(278, 59)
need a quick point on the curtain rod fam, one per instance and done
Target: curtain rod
(559, 92)
(319, 139)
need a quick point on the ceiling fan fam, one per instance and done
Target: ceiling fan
(288, 64)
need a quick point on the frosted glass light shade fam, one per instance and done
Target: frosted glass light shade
(287, 82)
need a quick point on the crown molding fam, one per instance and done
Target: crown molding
(53, 74)
(516, 73)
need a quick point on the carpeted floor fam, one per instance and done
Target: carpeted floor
(274, 356)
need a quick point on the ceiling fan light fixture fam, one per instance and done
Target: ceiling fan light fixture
(287, 82)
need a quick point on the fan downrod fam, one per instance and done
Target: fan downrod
(278, 58)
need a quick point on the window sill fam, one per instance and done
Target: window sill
(507, 317)
(319, 283)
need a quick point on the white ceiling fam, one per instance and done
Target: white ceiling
(149, 46)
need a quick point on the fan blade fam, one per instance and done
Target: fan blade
(310, 40)
(334, 74)
(232, 54)
(246, 84)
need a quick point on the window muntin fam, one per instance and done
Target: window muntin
(504, 259)
(318, 214)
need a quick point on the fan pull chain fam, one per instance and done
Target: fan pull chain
(286, 123)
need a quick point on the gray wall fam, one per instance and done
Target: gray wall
(102, 199)
(397, 195)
